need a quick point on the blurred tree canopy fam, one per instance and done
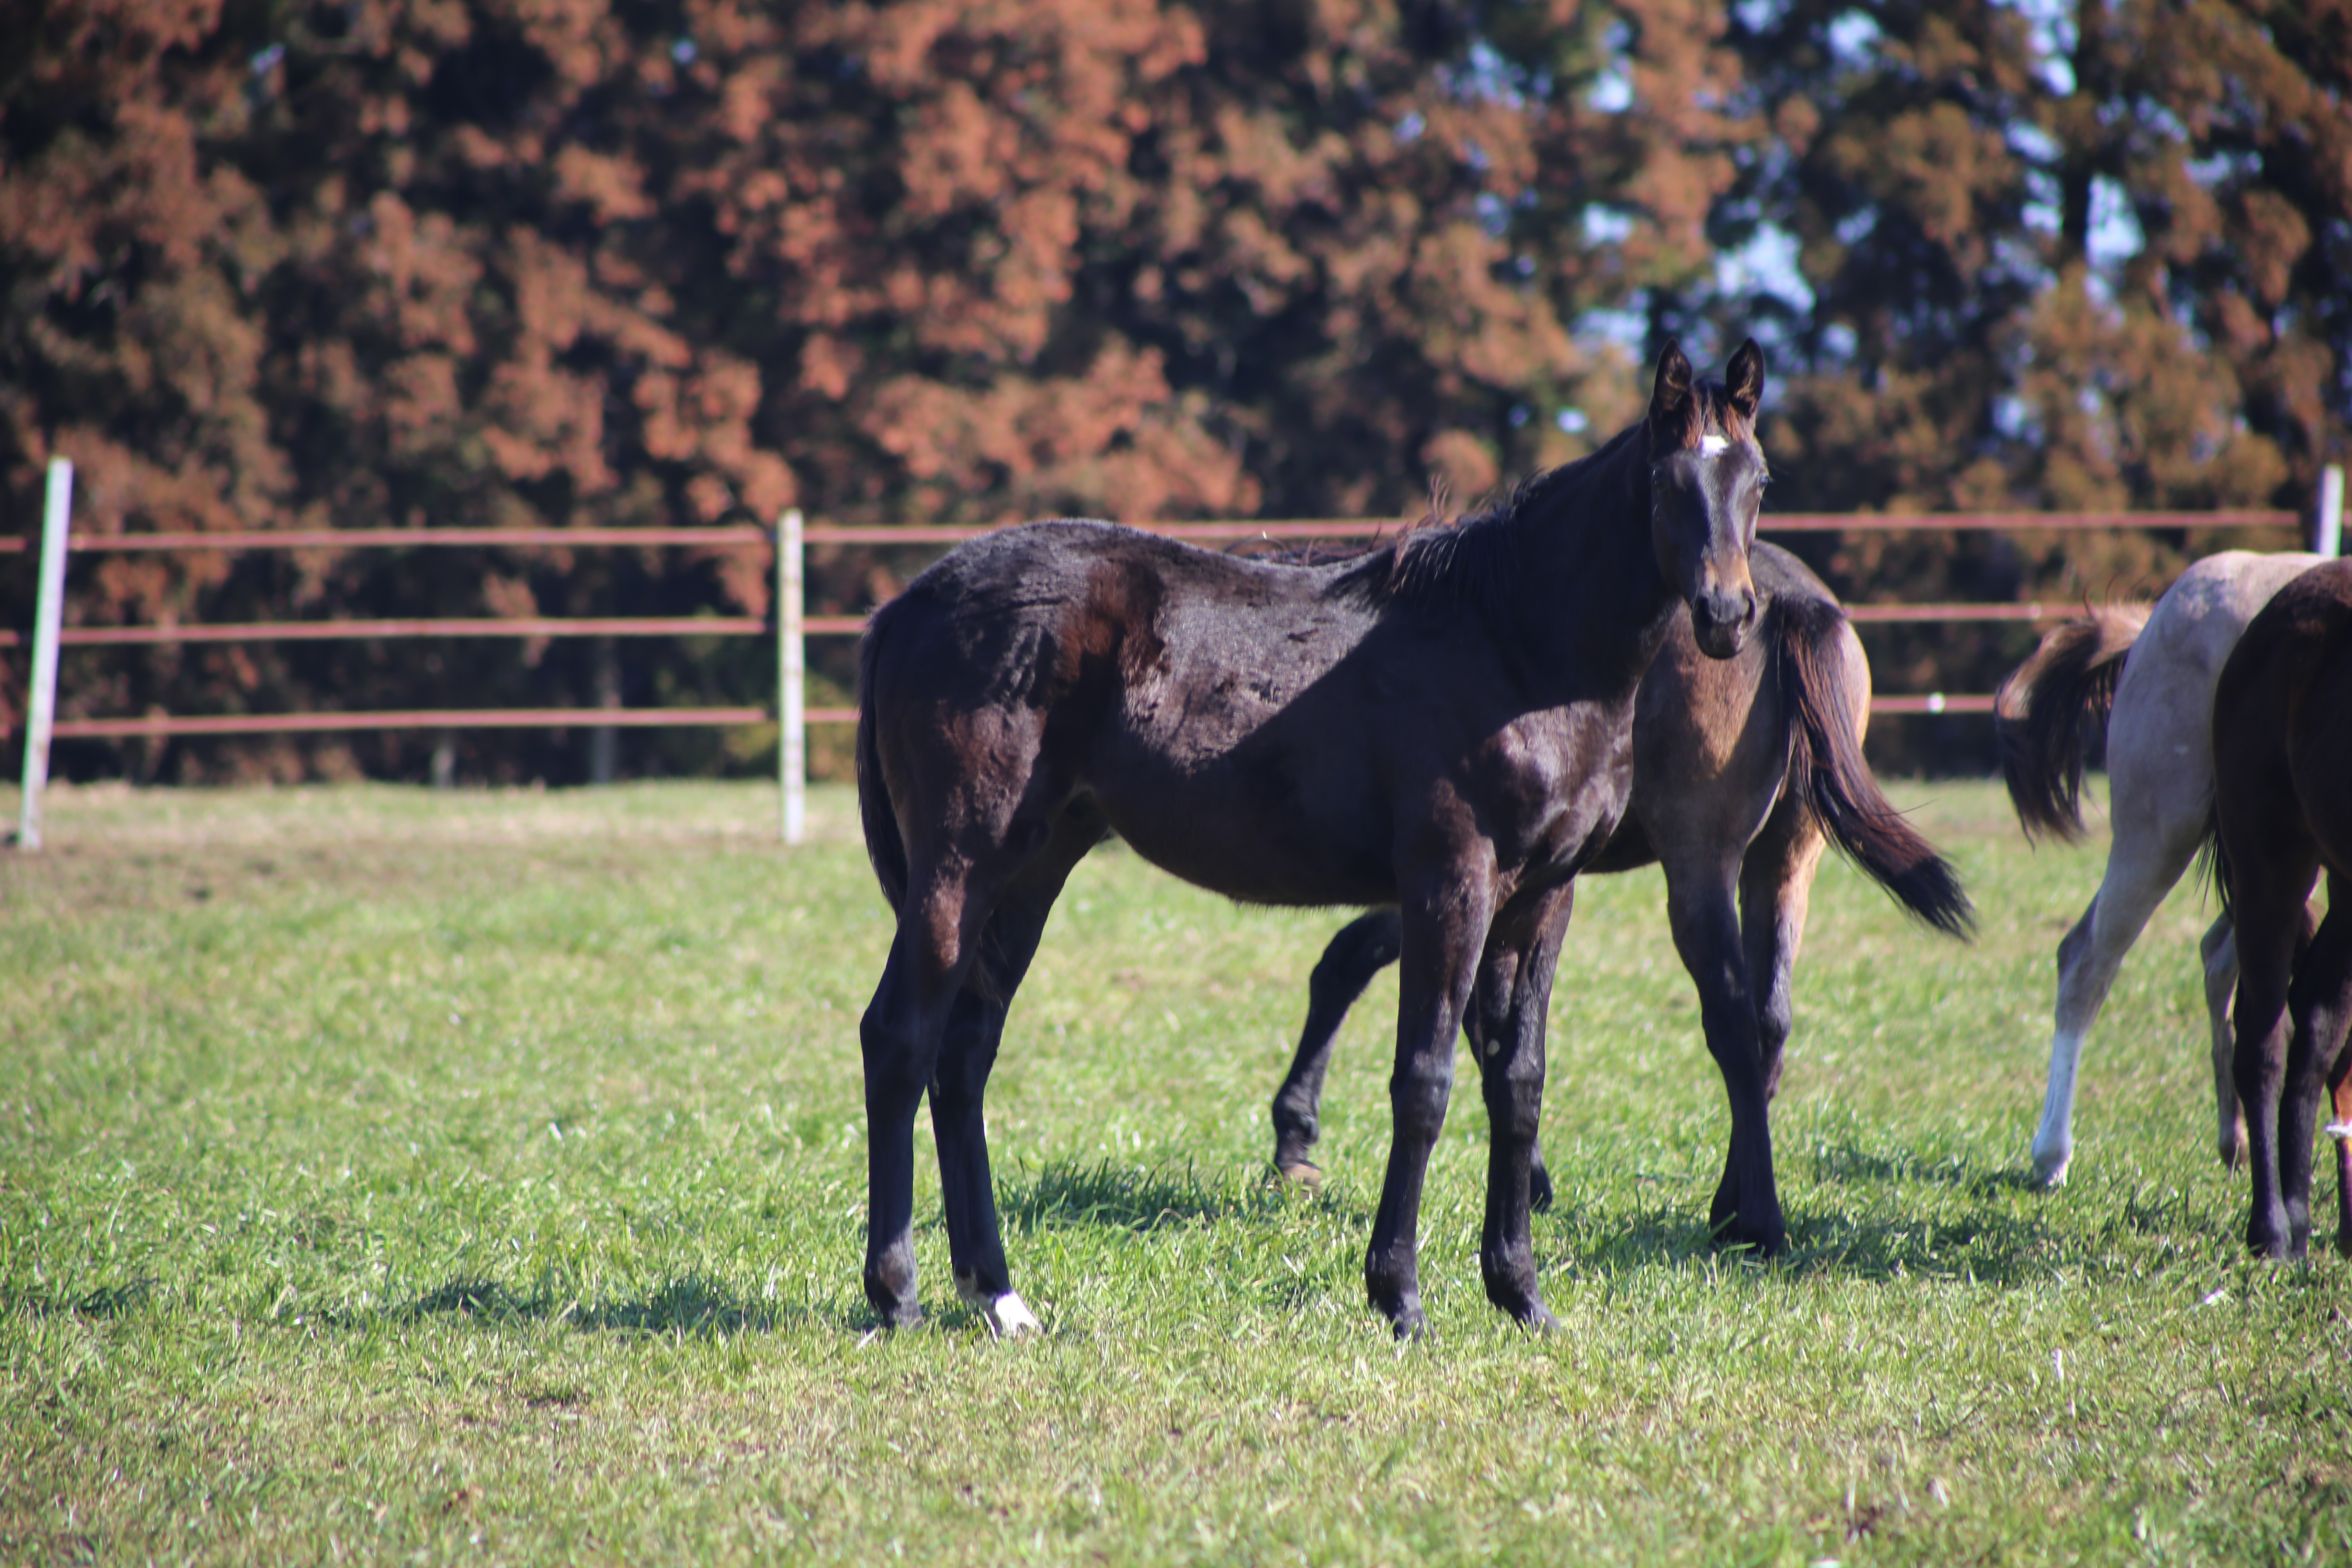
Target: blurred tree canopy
(581, 263)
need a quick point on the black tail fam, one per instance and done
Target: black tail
(2047, 710)
(884, 847)
(2214, 862)
(1839, 787)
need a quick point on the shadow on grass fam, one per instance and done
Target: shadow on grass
(1843, 1162)
(107, 1301)
(1856, 1235)
(1989, 1250)
(692, 1305)
(1136, 1198)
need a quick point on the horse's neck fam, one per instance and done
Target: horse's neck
(1593, 599)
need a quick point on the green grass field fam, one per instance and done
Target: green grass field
(392, 1176)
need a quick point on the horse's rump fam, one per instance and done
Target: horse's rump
(2289, 686)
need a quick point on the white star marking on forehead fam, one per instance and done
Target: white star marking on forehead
(1711, 445)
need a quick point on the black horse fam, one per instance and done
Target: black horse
(2281, 817)
(1745, 769)
(1443, 724)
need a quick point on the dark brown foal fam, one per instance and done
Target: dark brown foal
(1445, 723)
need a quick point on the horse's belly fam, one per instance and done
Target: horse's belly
(1230, 844)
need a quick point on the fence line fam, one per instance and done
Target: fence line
(347, 631)
(793, 625)
(739, 536)
(160, 725)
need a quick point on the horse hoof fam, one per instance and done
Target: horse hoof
(1539, 1321)
(1403, 1314)
(1008, 1317)
(1540, 1195)
(2050, 1170)
(1763, 1241)
(1301, 1173)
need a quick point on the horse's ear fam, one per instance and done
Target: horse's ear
(1670, 398)
(1743, 379)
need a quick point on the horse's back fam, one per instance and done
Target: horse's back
(1046, 614)
(2160, 737)
(2199, 620)
(1208, 707)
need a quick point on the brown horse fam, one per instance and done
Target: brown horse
(1444, 724)
(1745, 770)
(2283, 813)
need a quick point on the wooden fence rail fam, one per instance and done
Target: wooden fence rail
(793, 626)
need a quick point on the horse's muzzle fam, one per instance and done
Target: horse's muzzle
(1721, 619)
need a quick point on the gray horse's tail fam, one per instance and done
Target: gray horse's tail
(2047, 710)
(884, 847)
(1818, 688)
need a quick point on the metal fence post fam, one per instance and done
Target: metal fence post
(48, 618)
(2327, 539)
(792, 697)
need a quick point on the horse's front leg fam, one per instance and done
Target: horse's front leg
(1444, 931)
(1360, 950)
(1705, 923)
(1507, 1035)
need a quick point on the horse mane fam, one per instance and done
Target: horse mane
(1472, 560)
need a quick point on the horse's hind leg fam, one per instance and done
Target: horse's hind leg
(2142, 867)
(2339, 1132)
(2269, 910)
(2219, 949)
(900, 1035)
(2319, 1004)
(1360, 950)
(959, 1083)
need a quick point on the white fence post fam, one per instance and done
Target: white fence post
(48, 618)
(2327, 539)
(791, 726)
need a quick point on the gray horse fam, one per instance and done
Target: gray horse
(2159, 794)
